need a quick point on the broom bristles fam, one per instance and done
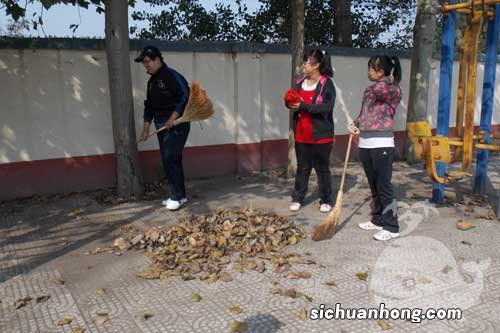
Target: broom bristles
(198, 107)
(327, 228)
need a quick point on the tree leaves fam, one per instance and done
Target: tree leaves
(196, 298)
(373, 22)
(203, 246)
(239, 326)
(362, 275)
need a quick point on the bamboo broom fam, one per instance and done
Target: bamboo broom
(198, 107)
(327, 228)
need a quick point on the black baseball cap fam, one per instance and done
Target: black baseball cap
(148, 51)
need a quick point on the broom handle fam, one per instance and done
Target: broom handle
(153, 133)
(345, 163)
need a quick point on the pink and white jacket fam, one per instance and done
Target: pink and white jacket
(380, 101)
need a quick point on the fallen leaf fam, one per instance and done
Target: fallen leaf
(78, 330)
(187, 277)
(292, 240)
(153, 234)
(146, 316)
(299, 275)
(121, 243)
(464, 225)
(239, 268)
(235, 309)
(251, 265)
(76, 212)
(330, 283)
(300, 260)
(446, 269)
(424, 281)
(137, 239)
(261, 266)
(58, 281)
(22, 302)
(149, 275)
(239, 326)
(42, 299)
(384, 325)
(196, 298)
(64, 321)
(292, 293)
(362, 275)
(303, 314)
(101, 318)
(212, 278)
(307, 297)
(101, 292)
(225, 276)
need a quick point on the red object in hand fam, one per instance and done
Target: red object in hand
(291, 97)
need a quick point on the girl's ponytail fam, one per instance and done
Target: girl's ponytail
(396, 69)
(325, 67)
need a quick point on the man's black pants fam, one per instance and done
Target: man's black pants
(377, 163)
(171, 145)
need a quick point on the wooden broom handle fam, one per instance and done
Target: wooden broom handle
(345, 162)
(153, 133)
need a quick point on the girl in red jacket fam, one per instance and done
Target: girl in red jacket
(313, 127)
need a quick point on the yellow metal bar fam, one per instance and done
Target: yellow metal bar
(475, 137)
(462, 82)
(487, 147)
(472, 50)
(456, 143)
(430, 163)
(447, 7)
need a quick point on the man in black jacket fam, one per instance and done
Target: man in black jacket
(166, 98)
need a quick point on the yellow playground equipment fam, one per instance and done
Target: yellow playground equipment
(440, 150)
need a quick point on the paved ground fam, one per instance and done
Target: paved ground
(434, 264)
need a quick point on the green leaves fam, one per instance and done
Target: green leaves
(375, 23)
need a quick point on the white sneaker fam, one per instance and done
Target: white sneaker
(369, 226)
(174, 205)
(295, 206)
(384, 235)
(325, 208)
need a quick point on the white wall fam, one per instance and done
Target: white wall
(55, 103)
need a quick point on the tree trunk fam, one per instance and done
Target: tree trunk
(423, 37)
(343, 23)
(297, 45)
(128, 174)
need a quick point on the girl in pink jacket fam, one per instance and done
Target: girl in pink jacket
(375, 125)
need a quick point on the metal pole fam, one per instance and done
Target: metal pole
(446, 71)
(487, 101)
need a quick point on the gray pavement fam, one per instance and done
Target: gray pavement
(43, 241)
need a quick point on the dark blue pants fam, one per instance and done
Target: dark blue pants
(171, 145)
(377, 163)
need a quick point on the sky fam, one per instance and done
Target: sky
(91, 24)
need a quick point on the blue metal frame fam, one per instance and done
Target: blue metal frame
(445, 80)
(488, 99)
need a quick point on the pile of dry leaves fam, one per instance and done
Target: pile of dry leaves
(203, 246)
